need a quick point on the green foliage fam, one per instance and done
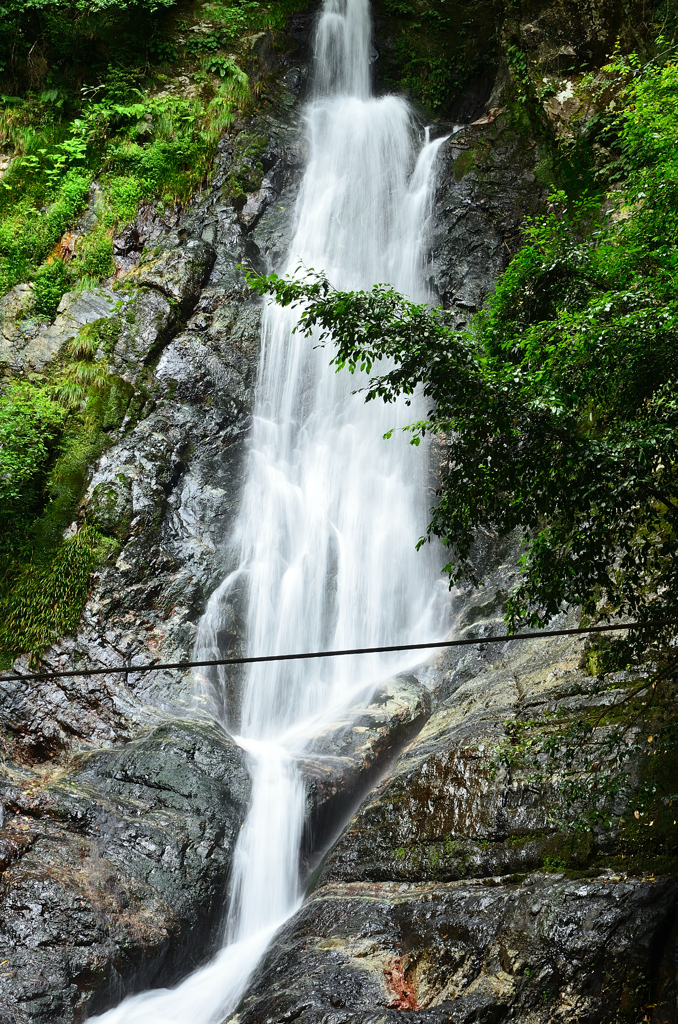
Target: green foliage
(47, 43)
(552, 864)
(235, 19)
(41, 602)
(30, 421)
(124, 193)
(153, 148)
(517, 62)
(95, 255)
(162, 148)
(82, 372)
(51, 432)
(26, 235)
(50, 283)
(124, 124)
(238, 18)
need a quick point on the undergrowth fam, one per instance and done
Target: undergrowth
(135, 97)
(104, 106)
(438, 48)
(52, 430)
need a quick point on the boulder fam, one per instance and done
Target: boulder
(178, 273)
(145, 327)
(29, 346)
(539, 949)
(115, 870)
(347, 756)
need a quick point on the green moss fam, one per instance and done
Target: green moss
(604, 654)
(464, 164)
(94, 255)
(247, 171)
(124, 193)
(63, 423)
(434, 50)
(50, 283)
(554, 863)
(545, 170)
(27, 236)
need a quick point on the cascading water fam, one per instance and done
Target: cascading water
(324, 544)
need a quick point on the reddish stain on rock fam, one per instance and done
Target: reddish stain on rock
(404, 997)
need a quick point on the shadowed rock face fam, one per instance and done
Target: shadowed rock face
(115, 870)
(350, 755)
(543, 949)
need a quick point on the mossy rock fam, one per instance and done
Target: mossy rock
(110, 507)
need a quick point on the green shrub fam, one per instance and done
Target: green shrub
(40, 602)
(124, 192)
(50, 283)
(30, 421)
(28, 236)
(95, 255)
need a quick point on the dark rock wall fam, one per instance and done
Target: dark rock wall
(115, 869)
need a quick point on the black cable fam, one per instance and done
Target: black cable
(158, 666)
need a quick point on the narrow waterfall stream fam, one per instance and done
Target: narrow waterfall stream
(324, 546)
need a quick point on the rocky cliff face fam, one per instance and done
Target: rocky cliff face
(115, 868)
(116, 858)
(445, 897)
(122, 799)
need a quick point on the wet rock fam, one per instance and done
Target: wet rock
(256, 203)
(448, 808)
(346, 757)
(178, 273)
(542, 949)
(24, 350)
(485, 187)
(145, 327)
(214, 363)
(118, 872)
(111, 506)
(16, 304)
(17, 326)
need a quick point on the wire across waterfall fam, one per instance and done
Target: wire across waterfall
(324, 545)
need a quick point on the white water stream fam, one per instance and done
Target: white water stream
(325, 541)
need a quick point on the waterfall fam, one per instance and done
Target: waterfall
(324, 546)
